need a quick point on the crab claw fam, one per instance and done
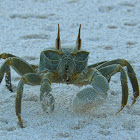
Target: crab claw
(47, 103)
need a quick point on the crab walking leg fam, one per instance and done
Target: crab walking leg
(31, 79)
(130, 72)
(95, 65)
(6, 69)
(92, 96)
(8, 79)
(108, 71)
(34, 66)
(19, 65)
(18, 100)
(134, 81)
(6, 55)
(46, 99)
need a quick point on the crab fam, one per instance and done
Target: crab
(68, 65)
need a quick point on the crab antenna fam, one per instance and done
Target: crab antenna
(78, 42)
(57, 41)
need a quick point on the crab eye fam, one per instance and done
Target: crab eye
(52, 56)
(81, 56)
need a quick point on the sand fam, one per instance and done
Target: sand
(110, 30)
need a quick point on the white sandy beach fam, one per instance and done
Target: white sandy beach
(110, 30)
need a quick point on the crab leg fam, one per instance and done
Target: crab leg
(110, 70)
(95, 65)
(29, 78)
(6, 69)
(8, 79)
(130, 72)
(18, 101)
(6, 55)
(19, 65)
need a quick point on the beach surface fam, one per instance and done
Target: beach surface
(109, 30)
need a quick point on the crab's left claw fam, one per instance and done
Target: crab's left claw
(92, 96)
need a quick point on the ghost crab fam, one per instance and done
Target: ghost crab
(67, 65)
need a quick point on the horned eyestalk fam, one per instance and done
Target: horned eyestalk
(58, 41)
(78, 42)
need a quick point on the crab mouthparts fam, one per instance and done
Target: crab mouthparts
(66, 68)
(67, 75)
